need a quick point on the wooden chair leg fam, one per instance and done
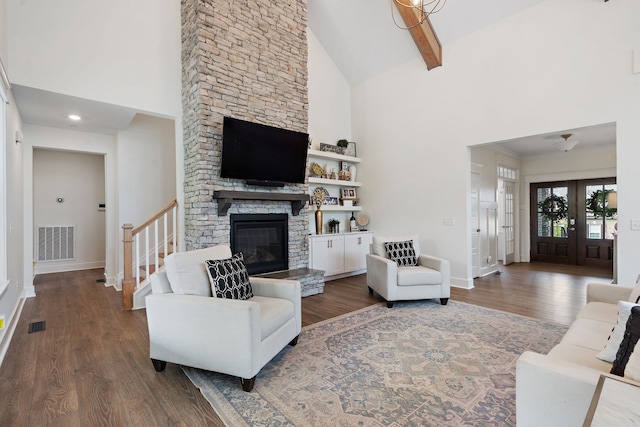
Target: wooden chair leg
(294, 341)
(247, 384)
(159, 365)
(444, 301)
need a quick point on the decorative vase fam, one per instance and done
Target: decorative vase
(318, 220)
(352, 171)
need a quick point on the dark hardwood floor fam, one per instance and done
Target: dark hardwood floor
(90, 366)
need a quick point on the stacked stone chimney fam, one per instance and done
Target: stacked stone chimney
(248, 60)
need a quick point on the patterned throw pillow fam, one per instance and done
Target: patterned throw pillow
(401, 252)
(229, 278)
(631, 335)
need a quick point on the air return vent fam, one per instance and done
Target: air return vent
(56, 243)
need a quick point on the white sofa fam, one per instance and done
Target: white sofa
(188, 326)
(556, 389)
(431, 278)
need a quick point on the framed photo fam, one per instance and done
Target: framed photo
(348, 193)
(344, 166)
(351, 149)
(330, 148)
(331, 201)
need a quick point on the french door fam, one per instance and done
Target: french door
(573, 222)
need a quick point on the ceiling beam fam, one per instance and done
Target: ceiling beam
(423, 34)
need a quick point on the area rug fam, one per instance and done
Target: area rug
(416, 364)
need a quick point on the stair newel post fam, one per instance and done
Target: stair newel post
(128, 284)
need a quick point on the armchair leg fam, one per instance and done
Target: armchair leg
(247, 384)
(389, 304)
(444, 301)
(294, 341)
(159, 365)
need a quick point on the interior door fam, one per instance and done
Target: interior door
(488, 237)
(508, 225)
(474, 202)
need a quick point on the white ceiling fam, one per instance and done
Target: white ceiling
(362, 39)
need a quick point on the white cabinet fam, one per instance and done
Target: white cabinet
(327, 253)
(356, 246)
(339, 254)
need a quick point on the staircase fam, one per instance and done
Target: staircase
(144, 250)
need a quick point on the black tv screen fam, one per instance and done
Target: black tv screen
(262, 154)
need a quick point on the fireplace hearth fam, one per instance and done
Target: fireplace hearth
(263, 239)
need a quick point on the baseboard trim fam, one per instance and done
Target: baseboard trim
(462, 283)
(45, 268)
(13, 323)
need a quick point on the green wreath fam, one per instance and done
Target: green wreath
(598, 203)
(553, 208)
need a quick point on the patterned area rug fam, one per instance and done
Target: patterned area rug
(417, 364)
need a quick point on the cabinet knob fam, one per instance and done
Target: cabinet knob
(359, 240)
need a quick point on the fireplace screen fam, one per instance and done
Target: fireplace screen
(263, 240)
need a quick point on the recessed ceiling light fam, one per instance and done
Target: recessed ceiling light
(74, 117)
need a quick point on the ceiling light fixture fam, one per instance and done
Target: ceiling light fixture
(423, 7)
(566, 145)
(74, 117)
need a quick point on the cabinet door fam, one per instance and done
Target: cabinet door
(320, 253)
(355, 249)
(336, 256)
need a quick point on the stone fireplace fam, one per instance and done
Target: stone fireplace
(246, 60)
(263, 240)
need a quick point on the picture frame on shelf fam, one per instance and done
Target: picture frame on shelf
(344, 166)
(330, 148)
(351, 149)
(330, 201)
(348, 193)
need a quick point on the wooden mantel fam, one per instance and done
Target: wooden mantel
(424, 36)
(226, 198)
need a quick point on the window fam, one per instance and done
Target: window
(552, 211)
(601, 209)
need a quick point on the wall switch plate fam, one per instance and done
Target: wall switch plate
(635, 224)
(449, 221)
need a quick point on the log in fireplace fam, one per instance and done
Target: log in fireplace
(263, 239)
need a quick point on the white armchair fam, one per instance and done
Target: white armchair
(431, 278)
(188, 326)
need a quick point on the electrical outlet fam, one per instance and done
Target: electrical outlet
(635, 224)
(2, 321)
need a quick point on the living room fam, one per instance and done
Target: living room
(548, 68)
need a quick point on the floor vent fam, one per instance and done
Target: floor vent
(37, 326)
(56, 243)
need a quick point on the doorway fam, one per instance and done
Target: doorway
(573, 222)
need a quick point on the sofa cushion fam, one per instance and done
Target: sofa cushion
(411, 276)
(379, 240)
(160, 283)
(229, 278)
(588, 333)
(629, 340)
(611, 349)
(401, 252)
(274, 312)
(601, 311)
(635, 293)
(187, 272)
(579, 355)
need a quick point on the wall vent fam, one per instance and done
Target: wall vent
(56, 243)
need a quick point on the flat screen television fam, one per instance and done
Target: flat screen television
(261, 154)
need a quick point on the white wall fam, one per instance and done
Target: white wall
(329, 97)
(510, 80)
(84, 142)
(120, 52)
(79, 179)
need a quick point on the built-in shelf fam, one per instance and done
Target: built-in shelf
(340, 182)
(333, 156)
(337, 208)
(226, 198)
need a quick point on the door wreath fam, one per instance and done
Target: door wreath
(598, 204)
(553, 208)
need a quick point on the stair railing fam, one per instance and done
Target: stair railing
(133, 238)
